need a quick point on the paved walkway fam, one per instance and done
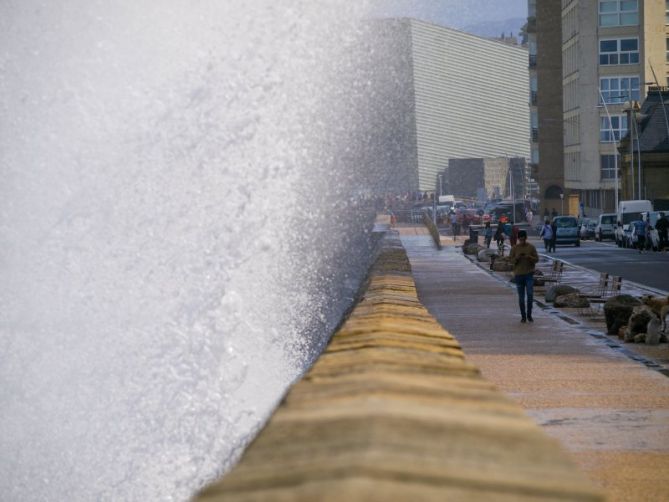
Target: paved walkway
(609, 411)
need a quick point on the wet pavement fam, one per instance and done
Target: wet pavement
(607, 403)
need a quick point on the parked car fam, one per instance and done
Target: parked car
(567, 230)
(606, 227)
(587, 229)
(626, 238)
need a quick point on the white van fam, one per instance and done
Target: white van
(630, 210)
(606, 224)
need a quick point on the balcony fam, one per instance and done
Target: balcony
(535, 134)
(533, 60)
(533, 98)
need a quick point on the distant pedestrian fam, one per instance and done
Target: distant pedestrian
(662, 226)
(554, 213)
(499, 238)
(639, 235)
(554, 238)
(459, 220)
(454, 224)
(647, 231)
(514, 235)
(524, 257)
(487, 234)
(529, 216)
(546, 234)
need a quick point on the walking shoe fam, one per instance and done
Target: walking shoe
(522, 319)
(529, 318)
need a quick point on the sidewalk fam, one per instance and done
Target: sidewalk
(609, 411)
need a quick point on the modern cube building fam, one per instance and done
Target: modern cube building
(443, 94)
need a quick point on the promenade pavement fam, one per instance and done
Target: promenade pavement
(610, 411)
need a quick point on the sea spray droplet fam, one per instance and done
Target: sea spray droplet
(175, 241)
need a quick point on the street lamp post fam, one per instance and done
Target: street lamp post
(615, 153)
(513, 196)
(633, 108)
(562, 204)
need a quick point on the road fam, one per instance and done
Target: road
(648, 268)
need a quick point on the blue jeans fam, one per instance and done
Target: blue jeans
(525, 282)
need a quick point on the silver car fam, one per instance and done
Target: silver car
(606, 226)
(567, 230)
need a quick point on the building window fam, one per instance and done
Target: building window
(608, 133)
(667, 48)
(666, 8)
(608, 167)
(619, 51)
(618, 12)
(593, 199)
(619, 89)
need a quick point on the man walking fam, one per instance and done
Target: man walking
(524, 257)
(662, 226)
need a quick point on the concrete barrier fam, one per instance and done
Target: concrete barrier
(393, 411)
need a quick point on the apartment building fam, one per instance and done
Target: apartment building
(544, 37)
(612, 50)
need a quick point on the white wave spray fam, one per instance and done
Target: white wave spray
(177, 228)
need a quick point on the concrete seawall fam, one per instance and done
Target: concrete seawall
(391, 411)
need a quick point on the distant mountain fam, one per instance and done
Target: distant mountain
(496, 28)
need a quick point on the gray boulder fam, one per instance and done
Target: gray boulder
(617, 311)
(501, 264)
(572, 300)
(653, 333)
(638, 322)
(485, 255)
(558, 290)
(471, 248)
(638, 338)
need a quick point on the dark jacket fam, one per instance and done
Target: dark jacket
(523, 257)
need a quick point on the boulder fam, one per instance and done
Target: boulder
(653, 333)
(571, 300)
(558, 290)
(638, 321)
(617, 311)
(485, 255)
(501, 264)
(621, 332)
(471, 248)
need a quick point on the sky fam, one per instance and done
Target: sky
(454, 13)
